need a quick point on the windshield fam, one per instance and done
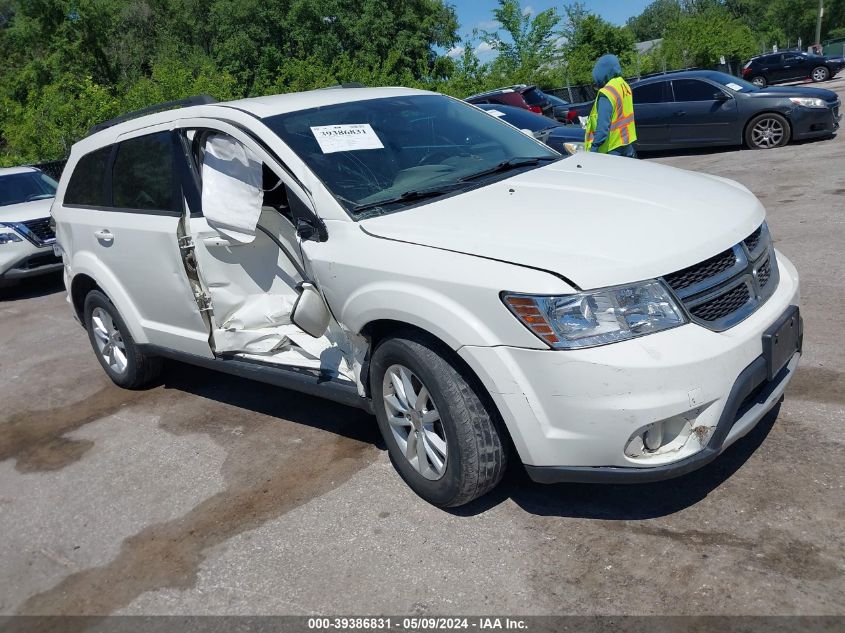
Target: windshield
(521, 118)
(395, 151)
(733, 83)
(26, 187)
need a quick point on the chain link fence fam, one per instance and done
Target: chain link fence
(53, 168)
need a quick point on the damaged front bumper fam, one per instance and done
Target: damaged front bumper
(584, 415)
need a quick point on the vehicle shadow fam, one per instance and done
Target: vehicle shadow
(272, 401)
(33, 288)
(622, 502)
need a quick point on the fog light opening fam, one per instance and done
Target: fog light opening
(653, 437)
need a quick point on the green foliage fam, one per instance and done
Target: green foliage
(523, 42)
(701, 38)
(588, 37)
(652, 23)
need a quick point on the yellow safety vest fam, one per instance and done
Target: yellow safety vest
(622, 129)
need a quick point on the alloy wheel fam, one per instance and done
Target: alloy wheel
(415, 422)
(109, 340)
(819, 74)
(759, 82)
(768, 133)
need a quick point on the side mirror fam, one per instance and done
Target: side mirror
(721, 96)
(310, 313)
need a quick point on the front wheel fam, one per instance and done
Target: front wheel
(114, 346)
(820, 73)
(759, 81)
(441, 436)
(767, 131)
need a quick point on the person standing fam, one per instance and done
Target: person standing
(610, 126)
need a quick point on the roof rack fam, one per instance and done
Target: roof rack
(158, 107)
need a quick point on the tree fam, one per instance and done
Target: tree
(588, 37)
(700, 39)
(652, 23)
(524, 42)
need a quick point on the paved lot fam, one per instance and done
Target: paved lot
(214, 495)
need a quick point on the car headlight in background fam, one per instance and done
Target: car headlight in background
(808, 102)
(597, 317)
(573, 148)
(6, 238)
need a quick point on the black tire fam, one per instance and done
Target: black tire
(820, 73)
(141, 369)
(752, 138)
(759, 81)
(477, 451)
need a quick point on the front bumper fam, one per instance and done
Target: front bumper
(19, 260)
(810, 123)
(572, 414)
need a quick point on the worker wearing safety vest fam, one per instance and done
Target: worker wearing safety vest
(610, 126)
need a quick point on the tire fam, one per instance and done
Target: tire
(767, 131)
(119, 356)
(476, 452)
(820, 73)
(759, 81)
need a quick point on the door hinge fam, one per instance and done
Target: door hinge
(204, 302)
(186, 243)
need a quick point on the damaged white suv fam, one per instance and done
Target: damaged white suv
(598, 318)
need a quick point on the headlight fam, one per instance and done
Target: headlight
(5, 238)
(598, 317)
(808, 102)
(573, 148)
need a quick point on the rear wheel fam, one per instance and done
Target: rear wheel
(820, 73)
(767, 131)
(114, 346)
(759, 81)
(441, 436)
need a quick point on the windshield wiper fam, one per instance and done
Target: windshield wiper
(408, 196)
(506, 165)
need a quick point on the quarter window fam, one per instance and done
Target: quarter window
(143, 174)
(693, 90)
(87, 184)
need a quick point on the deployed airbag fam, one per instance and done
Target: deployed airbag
(231, 188)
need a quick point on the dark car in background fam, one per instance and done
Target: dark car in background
(520, 96)
(776, 68)
(552, 133)
(703, 108)
(562, 110)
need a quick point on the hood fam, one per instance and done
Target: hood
(26, 211)
(796, 91)
(607, 67)
(596, 220)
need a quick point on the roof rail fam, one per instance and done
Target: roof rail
(158, 107)
(351, 84)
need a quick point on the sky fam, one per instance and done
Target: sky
(478, 14)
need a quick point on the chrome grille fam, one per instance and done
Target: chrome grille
(723, 290)
(41, 229)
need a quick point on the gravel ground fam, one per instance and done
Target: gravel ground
(214, 495)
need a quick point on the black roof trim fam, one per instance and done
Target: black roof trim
(158, 107)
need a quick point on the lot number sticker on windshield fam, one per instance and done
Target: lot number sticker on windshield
(346, 138)
(734, 86)
(495, 113)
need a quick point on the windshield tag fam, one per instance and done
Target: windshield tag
(495, 113)
(346, 138)
(734, 86)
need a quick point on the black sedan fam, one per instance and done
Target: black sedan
(552, 133)
(706, 108)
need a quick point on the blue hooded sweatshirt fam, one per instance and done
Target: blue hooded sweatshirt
(607, 67)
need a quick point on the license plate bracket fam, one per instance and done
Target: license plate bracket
(782, 340)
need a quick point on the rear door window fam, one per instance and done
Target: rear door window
(693, 90)
(143, 175)
(650, 93)
(87, 184)
(534, 96)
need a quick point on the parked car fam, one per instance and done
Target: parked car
(26, 237)
(401, 251)
(520, 96)
(562, 110)
(705, 108)
(776, 68)
(554, 134)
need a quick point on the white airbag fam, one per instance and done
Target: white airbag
(231, 188)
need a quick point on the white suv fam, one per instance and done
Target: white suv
(26, 235)
(598, 318)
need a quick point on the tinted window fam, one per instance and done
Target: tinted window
(26, 187)
(693, 90)
(142, 177)
(534, 96)
(650, 93)
(522, 118)
(793, 57)
(87, 184)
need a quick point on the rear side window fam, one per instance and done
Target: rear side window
(693, 90)
(143, 174)
(650, 93)
(533, 96)
(87, 183)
